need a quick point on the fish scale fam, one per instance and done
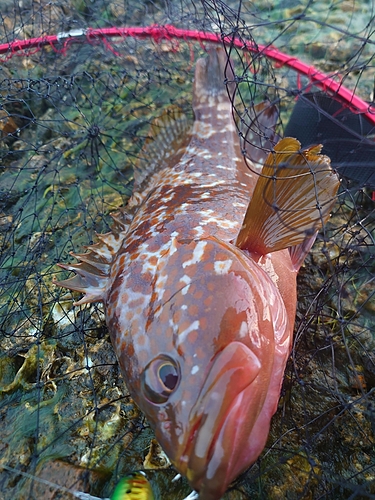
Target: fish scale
(198, 278)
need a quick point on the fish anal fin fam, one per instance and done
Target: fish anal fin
(93, 267)
(292, 199)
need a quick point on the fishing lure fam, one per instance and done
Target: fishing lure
(198, 279)
(134, 486)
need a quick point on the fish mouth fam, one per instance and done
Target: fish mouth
(218, 421)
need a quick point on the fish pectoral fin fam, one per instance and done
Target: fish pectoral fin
(292, 199)
(298, 253)
(93, 267)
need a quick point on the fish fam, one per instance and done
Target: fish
(134, 486)
(198, 278)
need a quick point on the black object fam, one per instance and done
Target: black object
(348, 138)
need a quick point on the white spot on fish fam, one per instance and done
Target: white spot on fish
(148, 267)
(213, 184)
(266, 312)
(265, 262)
(143, 247)
(182, 336)
(223, 167)
(208, 216)
(224, 106)
(228, 128)
(168, 197)
(254, 335)
(212, 101)
(197, 254)
(243, 329)
(199, 230)
(222, 266)
(160, 285)
(206, 213)
(173, 247)
(190, 150)
(203, 129)
(195, 369)
(185, 279)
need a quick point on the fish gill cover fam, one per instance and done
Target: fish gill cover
(73, 119)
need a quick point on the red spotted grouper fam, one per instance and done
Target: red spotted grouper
(199, 283)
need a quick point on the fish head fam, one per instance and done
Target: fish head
(203, 383)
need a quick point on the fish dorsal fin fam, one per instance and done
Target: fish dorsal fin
(166, 141)
(293, 197)
(93, 268)
(261, 136)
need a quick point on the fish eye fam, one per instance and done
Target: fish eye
(160, 379)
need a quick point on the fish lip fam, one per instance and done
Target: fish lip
(232, 372)
(214, 478)
(190, 442)
(197, 479)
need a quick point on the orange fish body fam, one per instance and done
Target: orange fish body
(199, 292)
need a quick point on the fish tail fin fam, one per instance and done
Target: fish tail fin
(212, 76)
(292, 199)
(93, 267)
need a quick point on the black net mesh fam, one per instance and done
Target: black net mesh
(73, 118)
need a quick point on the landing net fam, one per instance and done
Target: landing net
(75, 111)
